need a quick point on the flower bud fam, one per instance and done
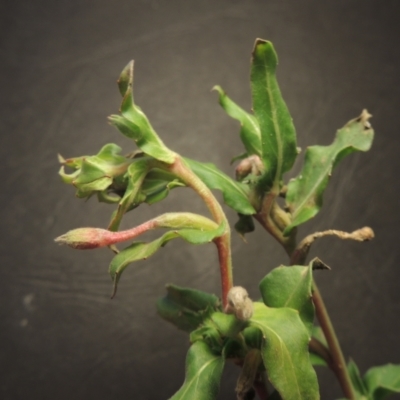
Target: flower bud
(85, 238)
(249, 166)
(239, 303)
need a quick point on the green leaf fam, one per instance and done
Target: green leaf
(249, 131)
(356, 379)
(278, 136)
(134, 124)
(158, 184)
(136, 174)
(244, 225)
(383, 381)
(285, 352)
(141, 250)
(317, 360)
(290, 287)
(305, 193)
(234, 193)
(203, 374)
(187, 308)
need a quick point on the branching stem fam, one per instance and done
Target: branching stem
(189, 178)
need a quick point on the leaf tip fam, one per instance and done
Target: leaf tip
(317, 263)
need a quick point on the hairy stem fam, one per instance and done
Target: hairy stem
(338, 364)
(189, 178)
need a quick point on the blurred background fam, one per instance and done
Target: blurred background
(61, 336)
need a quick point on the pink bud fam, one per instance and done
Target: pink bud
(86, 238)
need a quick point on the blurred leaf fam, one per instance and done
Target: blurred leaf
(356, 379)
(278, 136)
(141, 250)
(187, 308)
(318, 334)
(285, 352)
(249, 131)
(290, 287)
(305, 193)
(134, 124)
(244, 225)
(203, 374)
(317, 360)
(235, 194)
(383, 381)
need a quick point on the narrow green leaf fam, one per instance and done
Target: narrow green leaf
(285, 352)
(305, 193)
(290, 287)
(383, 381)
(141, 250)
(249, 131)
(203, 374)
(235, 194)
(187, 308)
(136, 174)
(278, 136)
(134, 124)
(356, 379)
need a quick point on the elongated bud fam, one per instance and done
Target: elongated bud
(85, 238)
(239, 303)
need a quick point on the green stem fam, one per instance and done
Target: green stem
(189, 178)
(338, 362)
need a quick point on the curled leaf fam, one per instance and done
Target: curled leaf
(305, 193)
(141, 250)
(134, 124)
(249, 130)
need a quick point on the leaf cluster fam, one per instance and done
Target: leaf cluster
(277, 341)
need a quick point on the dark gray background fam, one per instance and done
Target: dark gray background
(61, 336)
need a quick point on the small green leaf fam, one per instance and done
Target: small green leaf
(136, 174)
(141, 250)
(383, 381)
(278, 136)
(356, 379)
(249, 131)
(203, 374)
(134, 124)
(290, 287)
(317, 361)
(285, 352)
(187, 308)
(235, 194)
(305, 193)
